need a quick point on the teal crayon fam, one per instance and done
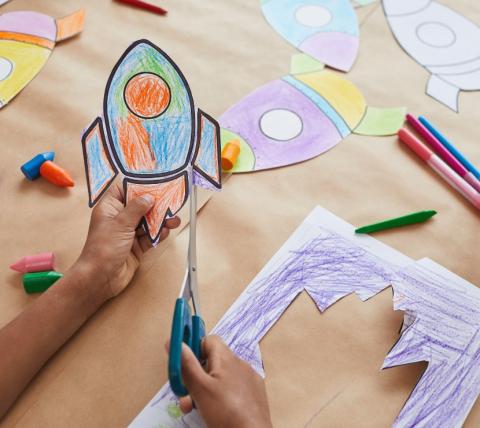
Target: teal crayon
(417, 217)
(38, 282)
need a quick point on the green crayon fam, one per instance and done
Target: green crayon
(37, 282)
(405, 220)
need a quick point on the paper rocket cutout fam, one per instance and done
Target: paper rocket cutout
(301, 116)
(152, 135)
(327, 30)
(441, 40)
(26, 42)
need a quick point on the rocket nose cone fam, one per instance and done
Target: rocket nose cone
(148, 112)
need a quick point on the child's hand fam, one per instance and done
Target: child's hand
(228, 393)
(114, 246)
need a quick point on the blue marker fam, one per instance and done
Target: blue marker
(450, 147)
(31, 169)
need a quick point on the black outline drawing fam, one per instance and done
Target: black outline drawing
(201, 113)
(97, 123)
(169, 97)
(107, 122)
(433, 75)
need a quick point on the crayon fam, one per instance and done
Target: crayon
(34, 263)
(230, 154)
(31, 169)
(404, 220)
(56, 175)
(37, 282)
(145, 6)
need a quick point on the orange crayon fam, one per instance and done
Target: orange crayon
(56, 175)
(230, 154)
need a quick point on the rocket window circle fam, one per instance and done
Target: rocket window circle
(147, 95)
(436, 34)
(281, 124)
(313, 16)
(6, 68)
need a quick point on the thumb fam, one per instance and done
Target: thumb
(194, 376)
(135, 210)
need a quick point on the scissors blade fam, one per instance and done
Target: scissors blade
(192, 250)
(185, 292)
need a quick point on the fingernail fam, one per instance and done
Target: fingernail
(148, 198)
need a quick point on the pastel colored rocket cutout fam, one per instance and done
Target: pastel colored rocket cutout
(327, 30)
(26, 42)
(441, 40)
(151, 134)
(301, 116)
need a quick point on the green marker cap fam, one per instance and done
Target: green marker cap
(38, 282)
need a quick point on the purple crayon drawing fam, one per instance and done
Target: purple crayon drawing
(327, 260)
(299, 117)
(443, 329)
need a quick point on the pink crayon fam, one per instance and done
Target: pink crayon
(443, 152)
(35, 263)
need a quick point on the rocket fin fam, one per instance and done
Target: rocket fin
(381, 121)
(303, 63)
(99, 167)
(443, 91)
(207, 157)
(70, 25)
(170, 195)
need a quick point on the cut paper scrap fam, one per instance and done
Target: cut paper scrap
(327, 30)
(2, 2)
(441, 40)
(301, 116)
(151, 134)
(318, 258)
(324, 258)
(26, 42)
(442, 327)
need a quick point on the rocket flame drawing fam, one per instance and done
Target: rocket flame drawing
(151, 134)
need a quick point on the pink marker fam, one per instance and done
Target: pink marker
(35, 263)
(440, 167)
(441, 151)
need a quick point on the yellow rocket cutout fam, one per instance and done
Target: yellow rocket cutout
(26, 41)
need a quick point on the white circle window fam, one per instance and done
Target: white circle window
(6, 68)
(313, 16)
(436, 34)
(281, 125)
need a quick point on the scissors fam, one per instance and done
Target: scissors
(186, 328)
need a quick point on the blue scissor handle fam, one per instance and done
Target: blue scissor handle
(198, 333)
(189, 330)
(181, 332)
